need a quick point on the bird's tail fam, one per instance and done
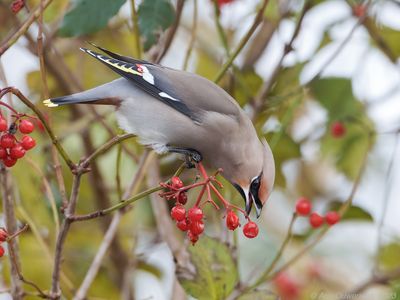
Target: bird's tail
(104, 94)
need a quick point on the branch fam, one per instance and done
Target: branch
(104, 148)
(24, 27)
(172, 31)
(55, 285)
(95, 266)
(123, 203)
(381, 278)
(259, 17)
(11, 224)
(288, 48)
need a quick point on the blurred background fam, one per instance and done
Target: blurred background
(308, 68)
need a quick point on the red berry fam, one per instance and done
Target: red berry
(3, 153)
(286, 287)
(223, 2)
(316, 220)
(26, 126)
(28, 142)
(196, 227)
(1, 251)
(182, 199)
(17, 151)
(3, 124)
(232, 220)
(182, 225)
(176, 182)
(17, 5)
(338, 129)
(192, 237)
(9, 162)
(3, 235)
(359, 10)
(178, 213)
(303, 206)
(250, 230)
(195, 214)
(7, 140)
(332, 217)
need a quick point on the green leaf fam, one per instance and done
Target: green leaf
(389, 256)
(88, 16)
(353, 213)
(214, 274)
(155, 16)
(259, 295)
(388, 35)
(336, 96)
(248, 82)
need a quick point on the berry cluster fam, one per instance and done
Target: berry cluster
(12, 149)
(3, 238)
(192, 220)
(303, 208)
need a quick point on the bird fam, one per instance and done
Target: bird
(181, 112)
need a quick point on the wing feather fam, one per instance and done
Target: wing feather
(138, 72)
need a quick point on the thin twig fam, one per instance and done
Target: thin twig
(98, 259)
(380, 278)
(278, 255)
(243, 42)
(15, 264)
(221, 33)
(11, 224)
(24, 27)
(123, 203)
(192, 37)
(104, 148)
(171, 31)
(342, 210)
(49, 193)
(136, 29)
(258, 102)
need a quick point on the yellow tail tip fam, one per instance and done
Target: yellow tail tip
(48, 103)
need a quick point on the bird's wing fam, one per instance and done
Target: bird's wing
(188, 93)
(138, 72)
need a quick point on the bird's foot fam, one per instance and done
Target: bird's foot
(192, 157)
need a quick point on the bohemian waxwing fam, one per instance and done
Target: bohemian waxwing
(177, 111)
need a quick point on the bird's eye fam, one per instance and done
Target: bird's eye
(255, 184)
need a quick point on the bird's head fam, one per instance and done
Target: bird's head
(256, 179)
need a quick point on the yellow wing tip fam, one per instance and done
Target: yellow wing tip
(48, 103)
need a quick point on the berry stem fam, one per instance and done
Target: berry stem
(9, 107)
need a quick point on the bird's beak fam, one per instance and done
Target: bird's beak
(249, 199)
(253, 198)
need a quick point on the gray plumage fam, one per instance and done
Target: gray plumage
(171, 108)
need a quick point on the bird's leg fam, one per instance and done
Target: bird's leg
(191, 156)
